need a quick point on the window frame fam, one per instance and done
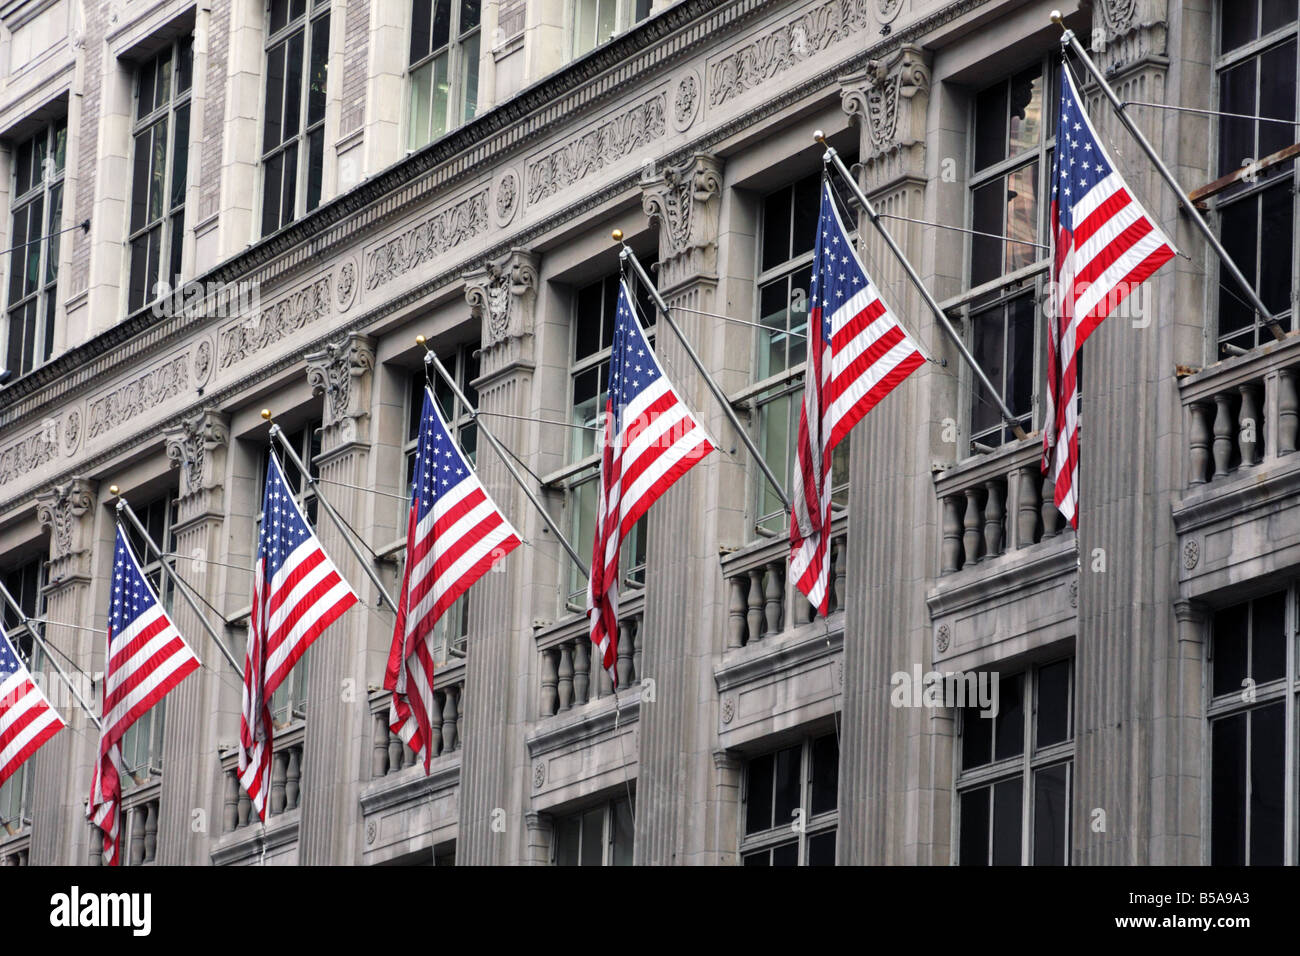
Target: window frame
(459, 108)
(782, 832)
(627, 14)
(609, 810)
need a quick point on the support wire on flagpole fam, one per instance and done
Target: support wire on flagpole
(26, 621)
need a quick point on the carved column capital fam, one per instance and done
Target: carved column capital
(197, 447)
(685, 199)
(1127, 31)
(502, 296)
(343, 372)
(68, 511)
(889, 98)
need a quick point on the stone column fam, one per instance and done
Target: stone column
(681, 635)
(61, 775)
(338, 721)
(189, 808)
(500, 670)
(895, 792)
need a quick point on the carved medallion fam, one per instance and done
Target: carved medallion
(686, 100)
(942, 638)
(1191, 553)
(346, 286)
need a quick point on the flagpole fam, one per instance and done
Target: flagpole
(431, 359)
(27, 623)
(1069, 39)
(278, 434)
(123, 508)
(628, 256)
(833, 157)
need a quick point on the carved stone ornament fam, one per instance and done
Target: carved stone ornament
(62, 510)
(190, 448)
(341, 372)
(684, 199)
(942, 638)
(539, 775)
(1126, 31)
(686, 101)
(889, 98)
(503, 296)
(1191, 553)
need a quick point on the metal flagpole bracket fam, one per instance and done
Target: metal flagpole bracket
(431, 361)
(277, 434)
(1071, 42)
(832, 157)
(627, 256)
(182, 586)
(40, 639)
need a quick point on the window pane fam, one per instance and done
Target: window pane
(421, 18)
(825, 774)
(1026, 113)
(60, 146)
(986, 252)
(140, 179)
(807, 212)
(622, 833)
(773, 300)
(1267, 784)
(991, 126)
(567, 837)
(1049, 816)
(776, 228)
(293, 85)
(1022, 217)
(787, 854)
(180, 155)
(976, 737)
(145, 94)
(17, 237)
(1053, 703)
(320, 51)
(1238, 23)
(821, 849)
(593, 837)
(761, 858)
(289, 192)
(421, 104)
(271, 184)
(788, 790)
(315, 166)
(1006, 823)
(758, 800)
(469, 78)
(1020, 355)
(469, 15)
(273, 120)
(1238, 233)
(1276, 224)
(974, 823)
(35, 219)
(1009, 724)
(441, 24)
(1229, 663)
(1275, 14)
(989, 348)
(177, 239)
(279, 14)
(1268, 638)
(1228, 791)
(1277, 92)
(185, 64)
(438, 110)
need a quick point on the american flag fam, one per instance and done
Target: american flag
(26, 718)
(651, 440)
(1104, 245)
(857, 354)
(454, 534)
(297, 593)
(147, 657)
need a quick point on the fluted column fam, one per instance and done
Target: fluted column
(191, 798)
(62, 767)
(338, 721)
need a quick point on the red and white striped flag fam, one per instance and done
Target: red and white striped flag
(26, 718)
(147, 657)
(297, 593)
(1104, 245)
(454, 535)
(857, 354)
(651, 440)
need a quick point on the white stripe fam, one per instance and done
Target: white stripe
(295, 636)
(157, 676)
(645, 482)
(868, 380)
(1116, 272)
(457, 570)
(32, 730)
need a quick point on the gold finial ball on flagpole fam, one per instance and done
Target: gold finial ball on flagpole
(266, 413)
(419, 340)
(1056, 16)
(617, 234)
(112, 490)
(819, 136)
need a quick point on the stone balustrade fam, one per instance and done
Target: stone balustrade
(761, 600)
(286, 783)
(570, 676)
(1243, 412)
(446, 723)
(995, 504)
(16, 852)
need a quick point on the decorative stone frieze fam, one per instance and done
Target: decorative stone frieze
(889, 98)
(248, 336)
(343, 372)
(68, 511)
(684, 199)
(447, 228)
(138, 395)
(34, 450)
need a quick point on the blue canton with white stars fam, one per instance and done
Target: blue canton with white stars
(10, 663)
(132, 595)
(837, 273)
(283, 526)
(632, 365)
(439, 465)
(1080, 162)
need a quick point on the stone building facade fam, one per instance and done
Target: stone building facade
(364, 172)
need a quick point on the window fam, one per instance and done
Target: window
(159, 172)
(289, 702)
(595, 306)
(600, 836)
(443, 68)
(1011, 162)
(24, 582)
(784, 272)
(791, 806)
(1253, 688)
(596, 21)
(1014, 782)
(293, 133)
(142, 744)
(34, 237)
(1256, 75)
(463, 365)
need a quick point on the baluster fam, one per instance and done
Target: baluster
(774, 599)
(638, 620)
(566, 675)
(1199, 443)
(994, 512)
(839, 568)
(754, 616)
(604, 683)
(379, 759)
(1250, 428)
(549, 701)
(279, 764)
(952, 552)
(435, 723)
(408, 756)
(1051, 517)
(292, 778)
(737, 588)
(137, 836)
(1223, 429)
(1288, 412)
(623, 662)
(450, 712)
(460, 716)
(581, 671)
(1027, 510)
(245, 807)
(396, 753)
(151, 831)
(972, 537)
(230, 806)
